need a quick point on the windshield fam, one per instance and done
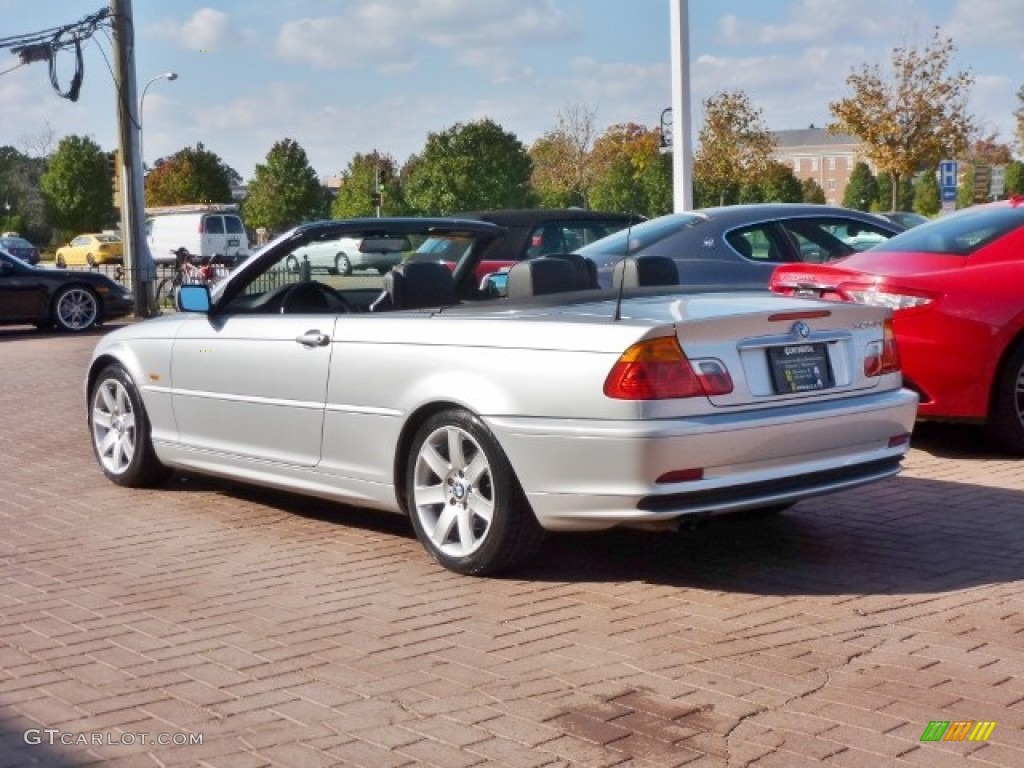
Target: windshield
(958, 235)
(642, 235)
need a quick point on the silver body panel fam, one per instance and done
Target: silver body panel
(240, 397)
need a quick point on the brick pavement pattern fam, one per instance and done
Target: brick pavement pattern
(292, 632)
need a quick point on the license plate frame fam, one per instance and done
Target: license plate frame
(234, 241)
(802, 367)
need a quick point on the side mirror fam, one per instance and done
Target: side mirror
(494, 285)
(194, 298)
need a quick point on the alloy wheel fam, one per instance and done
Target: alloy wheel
(77, 309)
(113, 426)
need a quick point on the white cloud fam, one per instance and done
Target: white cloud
(206, 30)
(987, 21)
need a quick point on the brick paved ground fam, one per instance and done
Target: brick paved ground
(297, 633)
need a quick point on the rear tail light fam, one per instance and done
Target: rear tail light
(888, 299)
(883, 356)
(657, 369)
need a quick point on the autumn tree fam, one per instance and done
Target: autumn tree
(285, 190)
(562, 160)
(911, 117)
(862, 189)
(360, 179)
(191, 175)
(630, 175)
(78, 187)
(733, 146)
(471, 166)
(988, 150)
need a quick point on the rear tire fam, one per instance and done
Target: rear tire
(464, 500)
(342, 265)
(1006, 421)
(120, 431)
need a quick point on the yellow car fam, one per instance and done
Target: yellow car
(91, 250)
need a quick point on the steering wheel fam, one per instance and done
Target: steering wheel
(313, 297)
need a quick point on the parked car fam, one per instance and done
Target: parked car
(208, 232)
(91, 249)
(906, 219)
(69, 301)
(345, 255)
(530, 233)
(955, 285)
(18, 246)
(489, 422)
(740, 245)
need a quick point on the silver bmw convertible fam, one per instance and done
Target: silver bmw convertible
(492, 412)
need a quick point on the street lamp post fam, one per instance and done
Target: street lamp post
(142, 102)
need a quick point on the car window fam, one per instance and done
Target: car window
(958, 235)
(568, 236)
(214, 225)
(641, 235)
(761, 242)
(233, 225)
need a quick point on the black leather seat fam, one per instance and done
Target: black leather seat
(586, 269)
(640, 271)
(416, 285)
(537, 277)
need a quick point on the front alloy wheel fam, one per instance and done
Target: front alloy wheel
(120, 430)
(464, 500)
(76, 309)
(1006, 422)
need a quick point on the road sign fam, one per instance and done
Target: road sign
(947, 181)
(948, 194)
(998, 185)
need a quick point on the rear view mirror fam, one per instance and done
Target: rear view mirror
(494, 285)
(194, 298)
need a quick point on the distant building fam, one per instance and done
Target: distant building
(814, 153)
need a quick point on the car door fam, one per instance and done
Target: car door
(253, 386)
(23, 294)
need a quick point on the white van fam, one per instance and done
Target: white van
(205, 231)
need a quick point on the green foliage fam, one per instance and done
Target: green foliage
(734, 147)
(78, 186)
(630, 175)
(192, 175)
(812, 192)
(902, 202)
(861, 191)
(19, 181)
(926, 194)
(284, 191)
(776, 184)
(472, 166)
(360, 179)
(911, 117)
(1018, 116)
(1015, 178)
(562, 160)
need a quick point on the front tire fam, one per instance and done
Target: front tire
(1006, 422)
(75, 309)
(342, 265)
(121, 432)
(61, 264)
(466, 505)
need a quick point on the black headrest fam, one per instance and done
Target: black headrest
(415, 285)
(536, 277)
(637, 271)
(586, 269)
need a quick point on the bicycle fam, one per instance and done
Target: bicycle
(207, 272)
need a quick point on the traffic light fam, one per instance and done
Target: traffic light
(115, 172)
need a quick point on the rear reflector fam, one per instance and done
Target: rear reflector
(896, 440)
(883, 356)
(682, 475)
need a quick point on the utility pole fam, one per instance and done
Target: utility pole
(138, 259)
(682, 153)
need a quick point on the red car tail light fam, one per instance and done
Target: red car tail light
(657, 369)
(883, 356)
(889, 299)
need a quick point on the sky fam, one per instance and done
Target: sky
(342, 77)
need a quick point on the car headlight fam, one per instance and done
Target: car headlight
(894, 301)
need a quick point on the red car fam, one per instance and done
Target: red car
(956, 287)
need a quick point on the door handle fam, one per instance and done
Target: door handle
(313, 339)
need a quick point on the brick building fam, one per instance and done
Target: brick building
(827, 158)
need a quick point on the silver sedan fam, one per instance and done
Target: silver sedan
(489, 421)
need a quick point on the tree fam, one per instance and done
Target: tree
(285, 190)
(192, 175)
(472, 166)
(78, 186)
(562, 160)
(912, 117)
(776, 184)
(862, 189)
(812, 192)
(926, 194)
(734, 147)
(904, 201)
(1015, 178)
(987, 150)
(360, 180)
(629, 173)
(1018, 115)
(19, 180)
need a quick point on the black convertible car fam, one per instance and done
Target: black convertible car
(65, 299)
